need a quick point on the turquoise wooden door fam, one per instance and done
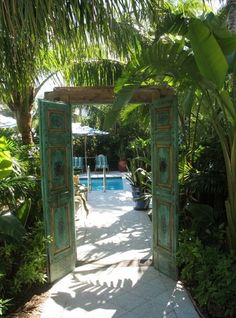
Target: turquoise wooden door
(57, 186)
(164, 135)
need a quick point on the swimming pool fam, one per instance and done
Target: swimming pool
(112, 183)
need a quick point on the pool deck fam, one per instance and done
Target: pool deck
(114, 276)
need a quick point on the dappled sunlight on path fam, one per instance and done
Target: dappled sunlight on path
(114, 276)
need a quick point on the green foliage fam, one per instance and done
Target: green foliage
(102, 72)
(23, 210)
(209, 273)
(19, 190)
(191, 55)
(209, 56)
(117, 143)
(140, 178)
(32, 266)
(22, 242)
(203, 191)
(206, 221)
(11, 229)
(202, 175)
(15, 189)
(188, 255)
(24, 264)
(5, 159)
(35, 44)
(122, 99)
(140, 148)
(20, 187)
(4, 303)
(12, 224)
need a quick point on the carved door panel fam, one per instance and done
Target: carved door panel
(164, 135)
(57, 186)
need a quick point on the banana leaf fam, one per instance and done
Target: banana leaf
(209, 57)
(11, 229)
(22, 212)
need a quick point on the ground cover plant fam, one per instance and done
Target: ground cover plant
(209, 273)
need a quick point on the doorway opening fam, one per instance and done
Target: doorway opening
(56, 148)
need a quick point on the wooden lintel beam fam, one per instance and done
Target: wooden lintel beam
(104, 95)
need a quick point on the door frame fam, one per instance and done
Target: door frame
(143, 95)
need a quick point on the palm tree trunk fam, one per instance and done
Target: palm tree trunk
(24, 124)
(22, 106)
(231, 16)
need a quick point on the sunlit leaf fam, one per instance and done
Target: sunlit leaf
(207, 52)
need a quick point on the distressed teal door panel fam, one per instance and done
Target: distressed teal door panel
(57, 186)
(164, 135)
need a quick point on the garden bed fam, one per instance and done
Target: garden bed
(29, 305)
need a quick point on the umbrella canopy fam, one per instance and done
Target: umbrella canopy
(7, 122)
(77, 129)
(85, 131)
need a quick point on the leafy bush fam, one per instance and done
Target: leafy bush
(33, 263)
(203, 181)
(20, 192)
(4, 303)
(203, 258)
(23, 265)
(209, 273)
(22, 241)
(19, 174)
(206, 222)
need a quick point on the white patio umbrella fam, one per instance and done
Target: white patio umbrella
(7, 122)
(86, 131)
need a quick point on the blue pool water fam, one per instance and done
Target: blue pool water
(112, 183)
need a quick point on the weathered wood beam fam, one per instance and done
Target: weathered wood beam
(104, 95)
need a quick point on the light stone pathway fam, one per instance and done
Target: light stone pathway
(114, 276)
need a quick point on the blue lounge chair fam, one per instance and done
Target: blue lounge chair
(101, 162)
(78, 164)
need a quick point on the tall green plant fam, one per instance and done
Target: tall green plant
(22, 242)
(15, 188)
(219, 100)
(198, 54)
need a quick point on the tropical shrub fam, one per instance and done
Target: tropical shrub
(203, 257)
(22, 241)
(196, 55)
(209, 273)
(4, 303)
(23, 265)
(32, 264)
(203, 190)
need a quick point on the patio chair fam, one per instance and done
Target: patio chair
(101, 162)
(78, 164)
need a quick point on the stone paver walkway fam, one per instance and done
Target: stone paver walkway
(114, 276)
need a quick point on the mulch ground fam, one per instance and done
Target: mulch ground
(29, 305)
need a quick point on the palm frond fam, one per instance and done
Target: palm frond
(94, 73)
(14, 189)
